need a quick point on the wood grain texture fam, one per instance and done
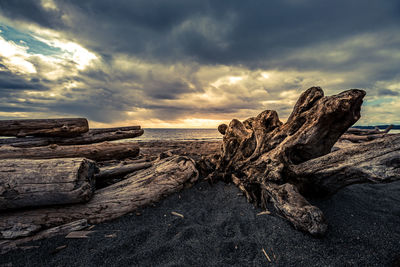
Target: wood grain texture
(140, 189)
(44, 127)
(31, 183)
(257, 153)
(97, 152)
(90, 137)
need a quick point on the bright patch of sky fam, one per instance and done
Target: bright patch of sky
(34, 46)
(48, 47)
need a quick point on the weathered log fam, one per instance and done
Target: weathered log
(7, 245)
(44, 127)
(373, 162)
(358, 131)
(93, 136)
(260, 151)
(121, 170)
(30, 183)
(361, 138)
(115, 129)
(140, 189)
(97, 152)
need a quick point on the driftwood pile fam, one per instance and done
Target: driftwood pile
(283, 163)
(57, 175)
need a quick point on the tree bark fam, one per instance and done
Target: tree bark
(44, 127)
(93, 136)
(7, 245)
(373, 162)
(361, 138)
(120, 170)
(358, 131)
(30, 183)
(259, 152)
(97, 152)
(140, 189)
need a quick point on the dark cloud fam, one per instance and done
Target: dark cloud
(152, 54)
(387, 92)
(9, 82)
(211, 32)
(31, 11)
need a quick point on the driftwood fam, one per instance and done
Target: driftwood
(90, 137)
(98, 152)
(260, 155)
(44, 127)
(120, 170)
(7, 245)
(361, 138)
(356, 135)
(358, 131)
(29, 183)
(373, 162)
(140, 189)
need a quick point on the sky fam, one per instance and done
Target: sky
(194, 63)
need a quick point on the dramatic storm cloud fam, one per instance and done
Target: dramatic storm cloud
(192, 63)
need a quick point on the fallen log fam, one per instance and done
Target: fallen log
(97, 152)
(358, 131)
(259, 152)
(373, 162)
(30, 183)
(120, 170)
(140, 189)
(7, 245)
(361, 138)
(92, 136)
(44, 127)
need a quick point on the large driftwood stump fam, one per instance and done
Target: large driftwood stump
(266, 157)
(30, 183)
(44, 127)
(137, 190)
(90, 137)
(98, 152)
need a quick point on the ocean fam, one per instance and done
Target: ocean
(151, 134)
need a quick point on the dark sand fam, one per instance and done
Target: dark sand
(221, 229)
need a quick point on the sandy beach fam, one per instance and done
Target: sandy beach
(220, 228)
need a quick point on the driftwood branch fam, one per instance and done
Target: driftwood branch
(97, 152)
(140, 189)
(30, 183)
(90, 137)
(44, 127)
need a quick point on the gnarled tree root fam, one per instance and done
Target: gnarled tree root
(280, 162)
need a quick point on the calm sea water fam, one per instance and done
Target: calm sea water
(185, 135)
(180, 135)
